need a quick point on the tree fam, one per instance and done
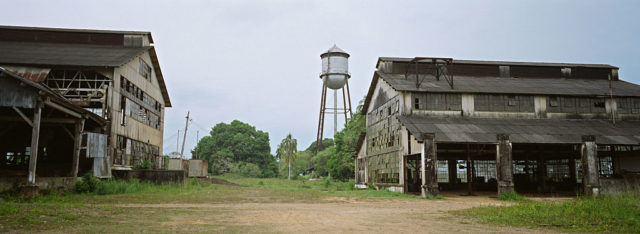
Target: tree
(341, 163)
(287, 150)
(324, 143)
(237, 145)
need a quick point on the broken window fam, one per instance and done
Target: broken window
(145, 70)
(606, 166)
(443, 171)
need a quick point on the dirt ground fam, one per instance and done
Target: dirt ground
(332, 215)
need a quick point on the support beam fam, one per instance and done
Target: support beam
(77, 143)
(590, 175)
(429, 166)
(453, 175)
(35, 136)
(469, 174)
(24, 117)
(62, 108)
(504, 165)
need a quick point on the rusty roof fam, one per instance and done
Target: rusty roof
(56, 54)
(539, 131)
(74, 30)
(504, 63)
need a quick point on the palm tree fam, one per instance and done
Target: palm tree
(287, 151)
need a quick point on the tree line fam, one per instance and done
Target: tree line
(238, 147)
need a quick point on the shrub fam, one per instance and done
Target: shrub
(247, 169)
(146, 165)
(371, 187)
(87, 184)
(327, 182)
(351, 185)
(260, 183)
(511, 196)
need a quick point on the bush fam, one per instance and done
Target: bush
(146, 165)
(87, 184)
(371, 187)
(247, 169)
(351, 185)
(511, 196)
(327, 182)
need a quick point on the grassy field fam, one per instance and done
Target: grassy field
(104, 208)
(583, 214)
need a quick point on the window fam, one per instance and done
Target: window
(553, 101)
(123, 108)
(145, 70)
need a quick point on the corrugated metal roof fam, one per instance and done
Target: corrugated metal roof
(74, 30)
(505, 63)
(539, 131)
(577, 87)
(67, 54)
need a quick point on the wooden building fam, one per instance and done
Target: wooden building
(442, 124)
(114, 75)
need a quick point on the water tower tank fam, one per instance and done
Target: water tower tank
(335, 68)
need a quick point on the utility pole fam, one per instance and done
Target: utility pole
(186, 126)
(178, 142)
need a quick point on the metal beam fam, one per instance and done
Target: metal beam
(42, 120)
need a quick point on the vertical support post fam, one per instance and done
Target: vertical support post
(504, 164)
(590, 175)
(77, 142)
(429, 166)
(572, 170)
(453, 176)
(35, 136)
(469, 172)
(323, 101)
(542, 171)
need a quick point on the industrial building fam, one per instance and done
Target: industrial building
(98, 95)
(442, 124)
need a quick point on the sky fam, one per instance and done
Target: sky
(259, 61)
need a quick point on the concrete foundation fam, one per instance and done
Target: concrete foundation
(154, 176)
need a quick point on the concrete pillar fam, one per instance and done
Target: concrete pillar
(504, 165)
(35, 136)
(77, 142)
(429, 171)
(590, 175)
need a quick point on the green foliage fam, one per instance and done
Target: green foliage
(237, 142)
(371, 187)
(260, 183)
(324, 143)
(351, 185)
(146, 165)
(584, 214)
(87, 184)
(327, 182)
(247, 169)
(436, 197)
(320, 161)
(511, 196)
(341, 163)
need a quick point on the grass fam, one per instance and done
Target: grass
(307, 190)
(583, 214)
(101, 210)
(511, 196)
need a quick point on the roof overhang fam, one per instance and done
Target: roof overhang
(526, 131)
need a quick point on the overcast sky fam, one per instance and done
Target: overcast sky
(258, 61)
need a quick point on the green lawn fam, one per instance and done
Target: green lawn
(583, 214)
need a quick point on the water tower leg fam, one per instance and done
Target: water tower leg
(344, 101)
(323, 100)
(335, 112)
(349, 98)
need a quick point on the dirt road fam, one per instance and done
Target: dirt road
(333, 215)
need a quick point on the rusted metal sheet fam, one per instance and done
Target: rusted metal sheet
(35, 74)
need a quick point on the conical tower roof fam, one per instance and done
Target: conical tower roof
(334, 50)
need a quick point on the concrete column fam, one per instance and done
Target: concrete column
(504, 165)
(590, 175)
(35, 136)
(77, 142)
(429, 166)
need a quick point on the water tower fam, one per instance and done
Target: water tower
(335, 75)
